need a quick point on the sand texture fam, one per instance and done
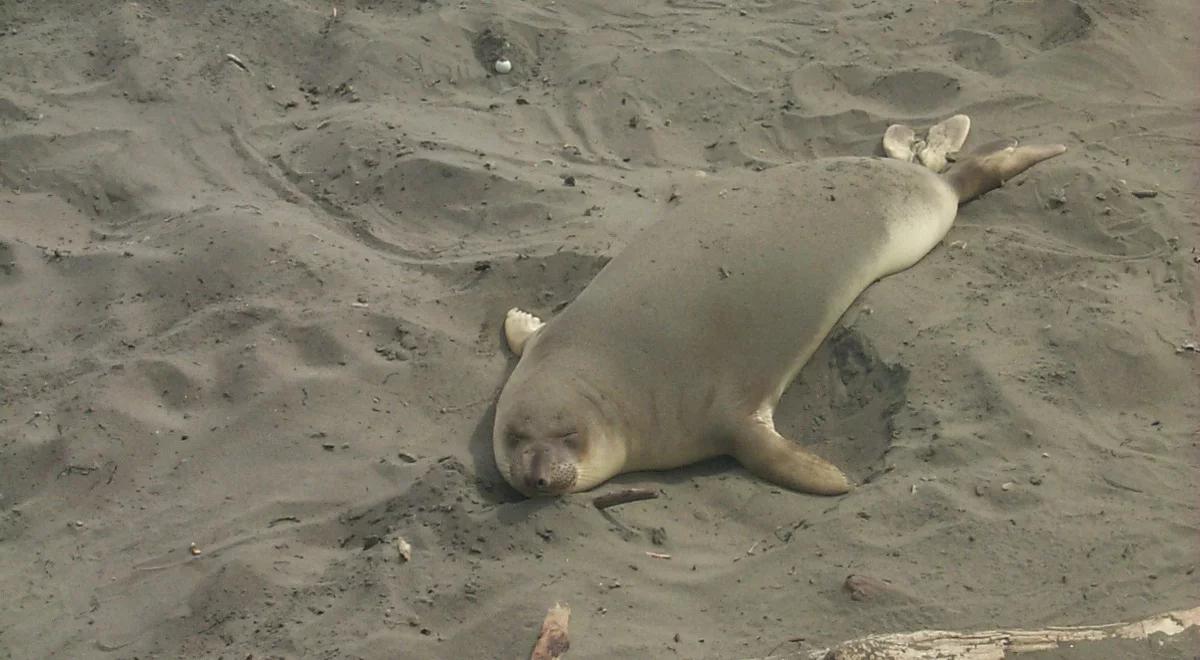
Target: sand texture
(250, 325)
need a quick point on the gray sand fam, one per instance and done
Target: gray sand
(258, 312)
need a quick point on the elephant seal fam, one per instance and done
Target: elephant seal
(680, 348)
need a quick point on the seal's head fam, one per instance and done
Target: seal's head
(549, 438)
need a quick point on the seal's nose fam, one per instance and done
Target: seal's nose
(538, 477)
(537, 480)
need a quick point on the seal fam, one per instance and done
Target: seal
(680, 348)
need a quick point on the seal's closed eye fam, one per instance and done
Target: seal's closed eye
(573, 441)
(513, 438)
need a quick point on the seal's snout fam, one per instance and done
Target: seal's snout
(545, 470)
(538, 478)
(547, 474)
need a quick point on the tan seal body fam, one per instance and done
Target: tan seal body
(682, 345)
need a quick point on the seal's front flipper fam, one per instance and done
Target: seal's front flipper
(900, 142)
(773, 457)
(519, 326)
(944, 140)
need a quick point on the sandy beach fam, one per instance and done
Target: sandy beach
(255, 256)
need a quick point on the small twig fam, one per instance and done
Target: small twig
(283, 519)
(1119, 485)
(459, 408)
(216, 623)
(624, 497)
(160, 567)
(386, 377)
(79, 469)
(237, 61)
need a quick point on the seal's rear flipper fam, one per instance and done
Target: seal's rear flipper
(944, 140)
(519, 326)
(770, 456)
(899, 142)
(990, 166)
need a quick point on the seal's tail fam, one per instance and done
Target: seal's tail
(991, 165)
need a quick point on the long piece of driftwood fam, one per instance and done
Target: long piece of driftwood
(993, 644)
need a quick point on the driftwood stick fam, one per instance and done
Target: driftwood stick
(623, 497)
(552, 642)
(994, 644)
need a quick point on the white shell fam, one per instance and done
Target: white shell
(503, 66)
